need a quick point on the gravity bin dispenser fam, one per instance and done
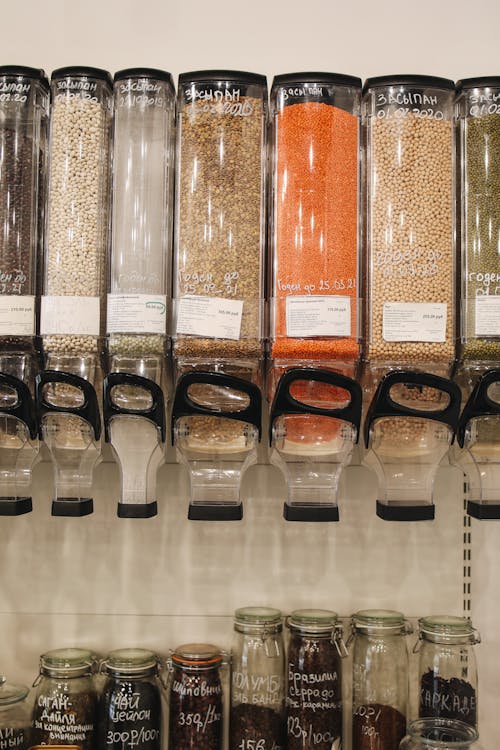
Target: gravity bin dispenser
(70, 426)
(18, 445)
(137, 342)
(216, 429)
(479, 438)
(72, 323)
(314, 426)
(134, 418)
(409, 320)
(218, 280)
(315, 306)
(24, 115)
(409, 428)
(478, 371)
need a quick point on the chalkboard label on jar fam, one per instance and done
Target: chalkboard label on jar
(195, 711)
(60, 718)
(11, 737)
(130, 717)
(447, 699)
(377, 727)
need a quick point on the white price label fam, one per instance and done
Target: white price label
(326, 315)
(210, 317)
(415, 321)
(137, 313)
(487, 318)
(78, 316)
(17, 315)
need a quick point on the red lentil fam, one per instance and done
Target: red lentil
(316, 221)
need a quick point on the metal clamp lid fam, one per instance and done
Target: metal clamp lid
(24, 406)
(89, 411)
(184, 406)
(446, 629)
(197, 656)
(285, 404)
(379, 622)
(383, 405)
(155, 414)
(479, 403)
(66, 662)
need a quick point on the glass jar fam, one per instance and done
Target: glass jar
(65, 709)
(447, 668)
(442, 734)
(143, 170)
(220, 215)
(257, 680)
(24, 115)
(196, 698)
(314, 680)
(479, 124)
(315, 210)
(130, 712)
(72, 312)
(409, 141)
(15, 716)
(380, 679)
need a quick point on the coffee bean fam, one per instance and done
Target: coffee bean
(314, 693)
(256, 727)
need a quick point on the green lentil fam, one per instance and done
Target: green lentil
(481, 228)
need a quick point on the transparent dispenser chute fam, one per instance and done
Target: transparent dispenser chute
(216, 428)
(134, 423)
(70, 426)
(314, 426)
(18, 445)
(409, 428)
(478, 436)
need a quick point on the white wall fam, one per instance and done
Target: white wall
(104, 582)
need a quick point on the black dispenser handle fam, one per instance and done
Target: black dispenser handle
(285, 403)
(479, 403)
(383, 405)
(24, 409)
(89, 410)
(155, 414)
(184, 406)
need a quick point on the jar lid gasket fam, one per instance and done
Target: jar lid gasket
(378, 618)
(197, 655)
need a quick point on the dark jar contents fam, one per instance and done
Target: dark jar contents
(377, 727)
(256, 727)
(196, 699)
(314, 682)
(447, 699)
(65, 707)
(130, 705)
(15, 720)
